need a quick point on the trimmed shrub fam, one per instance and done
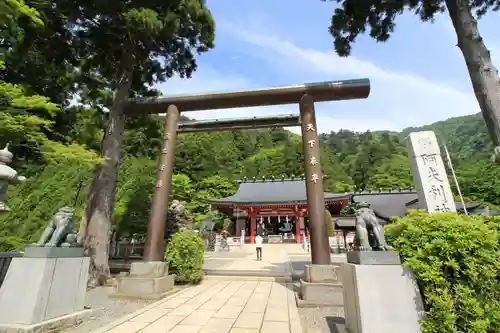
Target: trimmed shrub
(184, 255)
(329, 223)
(456, 262)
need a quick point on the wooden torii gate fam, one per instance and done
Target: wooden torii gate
(305, 95)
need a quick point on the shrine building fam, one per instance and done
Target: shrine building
(279, 206)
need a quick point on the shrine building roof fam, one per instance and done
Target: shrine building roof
(387, 204)
(273, 191)
(396, 203)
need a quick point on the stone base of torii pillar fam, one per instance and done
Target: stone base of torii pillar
(321, 285)
(146, 280)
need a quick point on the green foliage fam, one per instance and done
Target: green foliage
(350, 209)
(207, 165)
(378, 160)
(11, 244)
(11, 10)
(456, 262)
(329, 223)
(353, 18)
(480, 180)
(154, 39)
(209, 188)
(133, 195)
(391, 172)
(185, 255)
(26, 123)
(34, 203)
(465, 136)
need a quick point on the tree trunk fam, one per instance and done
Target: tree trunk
(96, 221)
(484, 76)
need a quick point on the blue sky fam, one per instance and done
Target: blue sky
(417, 78)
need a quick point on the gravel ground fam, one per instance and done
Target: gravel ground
(322, 320)
(106, 310)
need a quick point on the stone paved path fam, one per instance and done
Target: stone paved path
(218, 306)
(242, 262)
(278, 260)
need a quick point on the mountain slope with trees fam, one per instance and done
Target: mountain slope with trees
(207, 166)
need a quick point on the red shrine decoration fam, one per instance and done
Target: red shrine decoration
(281, 206)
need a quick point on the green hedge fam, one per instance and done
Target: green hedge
(185, 255)
(456, 262)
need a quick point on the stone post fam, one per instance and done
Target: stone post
(154, 246)
(149, 278)
(320, 285)
(429, 173)
(320, 249)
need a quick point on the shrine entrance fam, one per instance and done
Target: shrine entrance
(277, 206)
(277, 227)
(305, 95)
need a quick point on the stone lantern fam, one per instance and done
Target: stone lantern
(8, 176)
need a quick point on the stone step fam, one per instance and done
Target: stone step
(301, 274)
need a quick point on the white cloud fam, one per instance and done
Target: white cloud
(397, 99)
(400, 99)
(207, 79)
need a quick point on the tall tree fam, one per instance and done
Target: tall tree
(354, 17)
(26, 119)
(124, 47)
(10, 12)
(133, 44)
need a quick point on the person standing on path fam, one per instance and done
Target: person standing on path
(258, 246)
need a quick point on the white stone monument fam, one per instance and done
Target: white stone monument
(433, 188)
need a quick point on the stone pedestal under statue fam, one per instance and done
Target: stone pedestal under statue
(320, 286)
(45, 290)
(380, 296)
(146, 280)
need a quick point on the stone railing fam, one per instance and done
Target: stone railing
(125, 251)
(5, 259)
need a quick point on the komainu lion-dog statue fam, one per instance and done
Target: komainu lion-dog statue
(60, 231)
(368, 225)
